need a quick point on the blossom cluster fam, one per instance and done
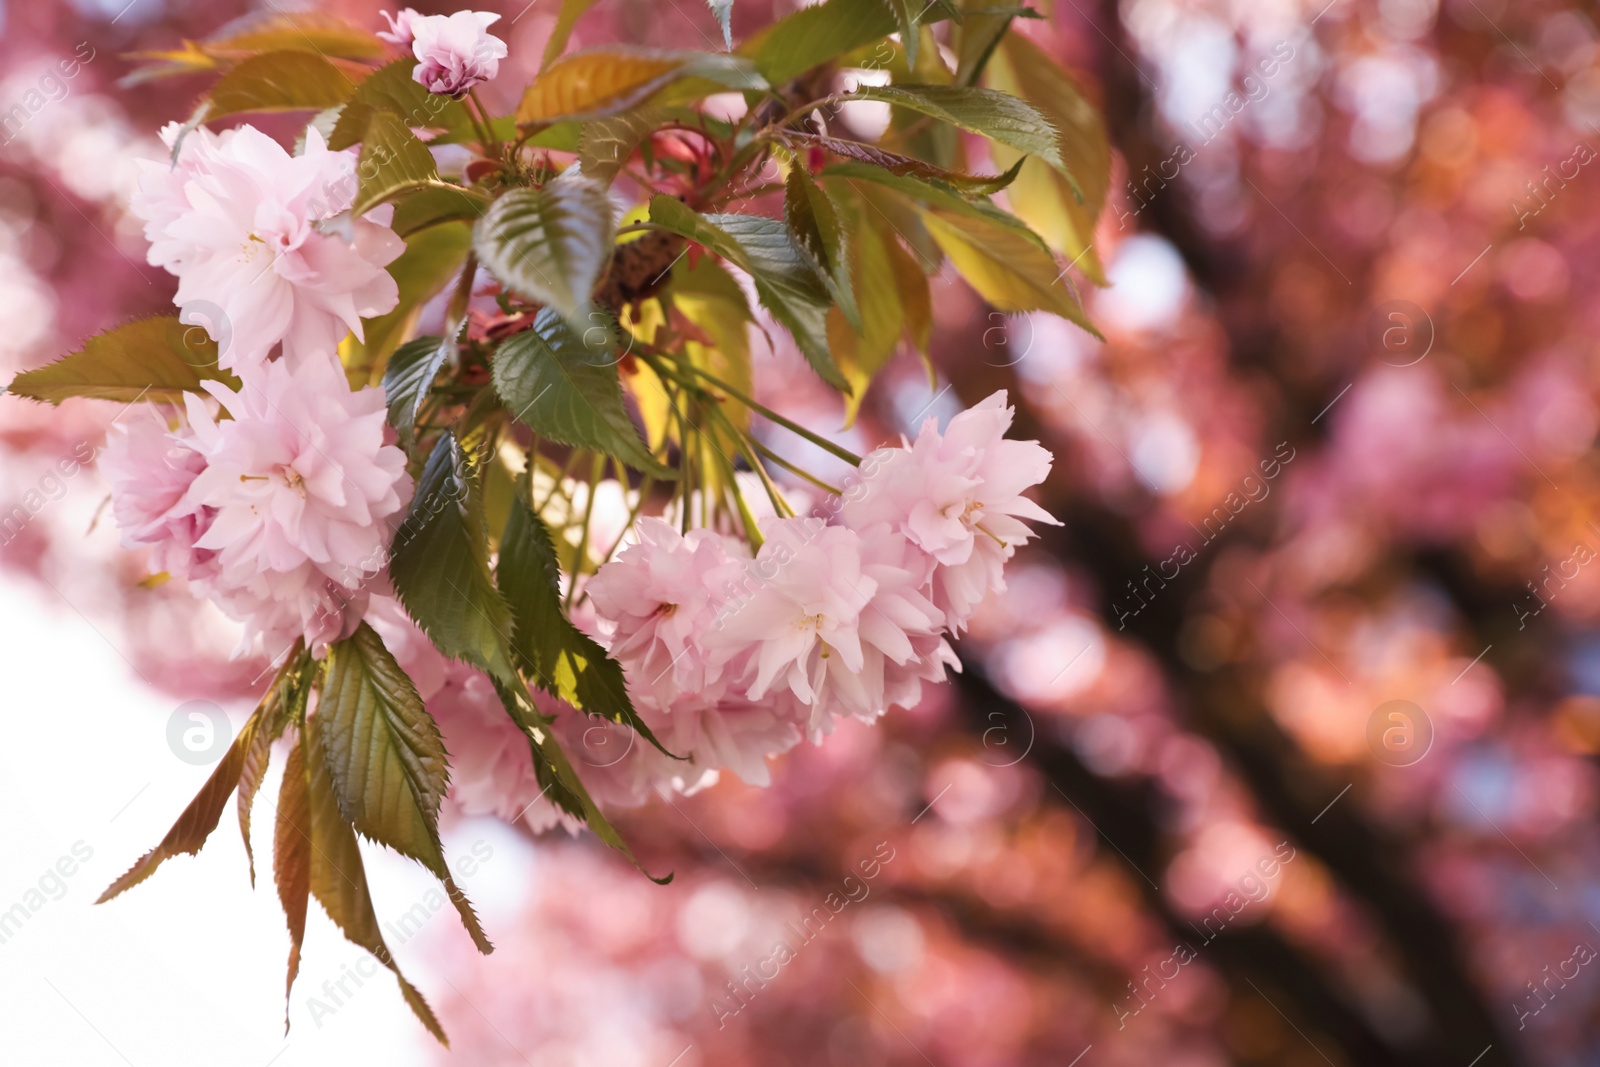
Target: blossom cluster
(273, 499)
(732, 657)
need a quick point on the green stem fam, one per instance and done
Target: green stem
(779, 504)
(597, 471)
(792, 469)
(767, 413)
(486, 126)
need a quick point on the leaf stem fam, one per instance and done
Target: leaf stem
(766, 412)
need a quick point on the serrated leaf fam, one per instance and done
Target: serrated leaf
(1042, 197)
(980, 32)
(604, 81)
(436, 205)
(606, 144)
(785, 281)
(392, 88)
(814, 224)
(550, 245)
(392, 162)
(554, 771)
(432, 257)
(862, 353)
(1009, 270)
(291, 861)
(906, 13)
(927, 192)
(387, 760)
(157, 358)
(274, 717)
(280, 81)
(894, 163)
(339, 880)
(911, 286)
(408, 377)
(723, 10)
(440, 566)
(568, 392)
(816, 35)
(294, 31)
(563, 660)
(999, 116)
(189, 833)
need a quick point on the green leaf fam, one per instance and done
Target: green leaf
(563, 660)
(189, 833)
(391, 88)
(785, 281)
(432, 257)
(863, 352)
(294, 31)
(723, 10)
(408, 377)
(386, 759)
(291, 860)
(816, 35)
(605, 144)
(1011, 271)
(894, 163)
(906, 13)
(279, 81)
(392, 162)
(979, 34)
(337, 877)
(554, 771)
(157, 358)
(277, 711)
(551, 380)
(561, 33)
(911, 287)
(435, 205)
(550, 245)
(814, 224)
(1042, 197)
(996, 115)
(440, 566)
(603, 81)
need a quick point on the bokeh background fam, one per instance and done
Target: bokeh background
(1335, 454)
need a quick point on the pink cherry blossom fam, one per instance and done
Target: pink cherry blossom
(150, 468)
(795, 612)
(658, 597)
(454, 52)
(266, 237)
(402, 25)
(958, 497)
(304, 496)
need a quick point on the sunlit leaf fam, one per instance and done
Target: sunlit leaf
(550, 244)
(291, 860)
(606, 144)
(280, 81)
(604, 81)
(1012, 271)
(1042, 197)
(338, 878)
(189, 833)
(393, 162)
(157, 358)
(861, 353)
(392, 88)
(294, 31)
(386, 759)
(567, 390)
(408, 377)
(816, 35)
